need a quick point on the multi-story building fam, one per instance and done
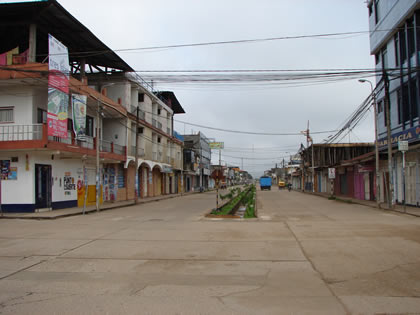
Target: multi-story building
(197, 161)
(44, 170)
(395, 43)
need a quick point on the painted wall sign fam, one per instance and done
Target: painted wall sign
(410, 135)
(69, 183)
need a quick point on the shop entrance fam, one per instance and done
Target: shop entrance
(43, 186)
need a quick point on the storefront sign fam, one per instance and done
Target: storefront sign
(409, 135)
(58, 90)
(331, 173)
(78, 103)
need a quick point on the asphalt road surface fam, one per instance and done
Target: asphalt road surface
(303, 255)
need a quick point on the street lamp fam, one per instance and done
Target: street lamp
(378, 201)
(98, 175)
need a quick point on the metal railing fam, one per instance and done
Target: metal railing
(21, 132)
(105, 146)
(140, 80)
(140, 150)
(67, 140)
(142, 114)
(119, 149)
(89, 143)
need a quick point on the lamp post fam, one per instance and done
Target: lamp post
(378, 201)
(98, 175)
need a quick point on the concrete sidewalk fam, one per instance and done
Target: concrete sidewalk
(411, 210)
(68, 212)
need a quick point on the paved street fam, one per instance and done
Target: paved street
(304, 255)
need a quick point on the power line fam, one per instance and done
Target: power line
(251, 132)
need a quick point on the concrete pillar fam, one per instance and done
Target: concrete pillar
(32, 43)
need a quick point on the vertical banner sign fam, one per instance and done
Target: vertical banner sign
(58, 88)
(78, 104)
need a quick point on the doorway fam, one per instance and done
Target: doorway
(43, 186)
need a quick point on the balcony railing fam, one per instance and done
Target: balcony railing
(108, 146)
(142, 114)
(21, 132)
(39, 132)
(140, 150)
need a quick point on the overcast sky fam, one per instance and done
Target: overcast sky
(251, 107)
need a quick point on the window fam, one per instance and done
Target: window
(41, 116)
(397, 50)
(377, 11)
(141, 97)
(140, 130)
(380, 107)
(384, 55)
(159, 111)
(377, 58)
(410, 37)
(413, 98)
(405, 104)
(400, 104)
(403, 48)
(6, 115)
(89, 126)
(158, 139)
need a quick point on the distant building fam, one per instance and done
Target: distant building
(197, 160)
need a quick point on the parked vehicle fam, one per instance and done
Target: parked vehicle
(265, 182)
(281, 184)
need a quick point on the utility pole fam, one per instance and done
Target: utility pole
(388, 130)
(136, 177)
(378, 197)
(98, 177)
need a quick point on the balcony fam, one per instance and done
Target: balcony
(35, 136)
(21, 132)
(142, 114)
(156, 124)
(140, 151)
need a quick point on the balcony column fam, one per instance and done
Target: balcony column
(32, 43)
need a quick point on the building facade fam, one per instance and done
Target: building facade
(124, 119)
(395, 43)
(198, 160)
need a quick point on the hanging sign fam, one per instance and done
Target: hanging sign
(58, 88)
(78, 104)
